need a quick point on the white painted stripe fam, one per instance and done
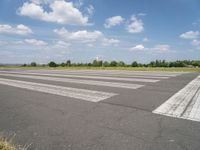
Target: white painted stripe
(88, 82)
(116, 71)
(184, 104)
(158, 74)
(139, 78)
(88, 95)
(90, 77)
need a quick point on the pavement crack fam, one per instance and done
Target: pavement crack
(130, 107)
(160, 130)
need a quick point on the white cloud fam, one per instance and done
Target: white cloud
(110, 42)
(138, 47)
(145, 39)
(19, 29)
(25, 42)
(61, 12)
(35, 42)
(136, 25)
(156, 49)
(43, 1)
(141, 14)
(61, 44)
(161, 48)
(195, 42)
(190, 35)
(113, 21)
(83, 36)
(90, 10)
(87, 37)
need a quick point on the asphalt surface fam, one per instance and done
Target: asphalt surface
(122, 121)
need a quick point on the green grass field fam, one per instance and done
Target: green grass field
(111, 68)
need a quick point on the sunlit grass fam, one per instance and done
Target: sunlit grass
(181, 69)
(5, 145)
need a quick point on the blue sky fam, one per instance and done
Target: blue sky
(82, 30)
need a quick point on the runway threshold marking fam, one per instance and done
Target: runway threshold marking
(123, 74)
(88, 95)
(169, 74)
(91, 77)
(88, 82)
(184, 104)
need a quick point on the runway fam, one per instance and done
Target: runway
(84, 109)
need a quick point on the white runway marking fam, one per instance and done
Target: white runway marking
(125, 77)
(88, 82)
(88, 95)
(184, 104)
(90, 77)
(128, 73)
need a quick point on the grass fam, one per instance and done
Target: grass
(183, 69)
(5, 145)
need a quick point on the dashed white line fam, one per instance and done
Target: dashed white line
(88, 95)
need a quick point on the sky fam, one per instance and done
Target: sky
(84, 30)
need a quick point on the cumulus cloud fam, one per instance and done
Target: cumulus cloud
(136, 25)
(35, 42)
(161, 48)
(110, 42)
(19, 29)
(90, 10)
(113, 21)
(138, 47)
(61, 12)
(156, 49)
(61, 44)
(25, 42)
(83, 36)
(190, 35)
(43, 1)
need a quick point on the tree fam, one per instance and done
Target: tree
(97, 63)
(52, 64)
(113, 63)
(106, 64)
(62, 64)
(121, 64)
(33, 64)
(68, 63)
(134, 64)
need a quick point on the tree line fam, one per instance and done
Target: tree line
(101, 63)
